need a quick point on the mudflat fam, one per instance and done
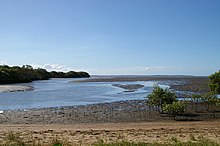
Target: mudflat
(114, 112)
(180, 83)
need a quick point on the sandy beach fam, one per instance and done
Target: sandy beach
(88, 134)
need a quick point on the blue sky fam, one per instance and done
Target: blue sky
(112, 36)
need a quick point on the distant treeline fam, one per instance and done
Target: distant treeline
(26, 73)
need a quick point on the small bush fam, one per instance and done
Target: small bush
(160, 97)
(175, 108)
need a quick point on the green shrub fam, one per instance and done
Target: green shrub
(175, 108)
(160, 97)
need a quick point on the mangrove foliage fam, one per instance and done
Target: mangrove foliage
(27, 73)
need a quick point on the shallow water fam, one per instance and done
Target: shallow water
(63, 92)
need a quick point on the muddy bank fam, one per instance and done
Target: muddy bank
(124, 111)
(115, 112)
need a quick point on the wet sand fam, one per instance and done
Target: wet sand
(115, 112)
(129, 87)
(123, 111)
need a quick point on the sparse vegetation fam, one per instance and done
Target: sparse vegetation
(166, 101)
(174, 109)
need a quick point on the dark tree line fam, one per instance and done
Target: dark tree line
(26, 73)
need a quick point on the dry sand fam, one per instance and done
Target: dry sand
(87, 134)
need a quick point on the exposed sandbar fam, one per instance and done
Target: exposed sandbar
(129, 87)
(14, 88)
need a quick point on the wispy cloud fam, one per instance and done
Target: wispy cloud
(53, 67)
(137, 70)
(3, 63)
(162, 68)
(48, 67)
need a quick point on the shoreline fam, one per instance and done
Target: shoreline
(110, 112)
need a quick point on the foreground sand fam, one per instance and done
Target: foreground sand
(106, 122)
(86, 134)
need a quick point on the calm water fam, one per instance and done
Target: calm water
(62, 92)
